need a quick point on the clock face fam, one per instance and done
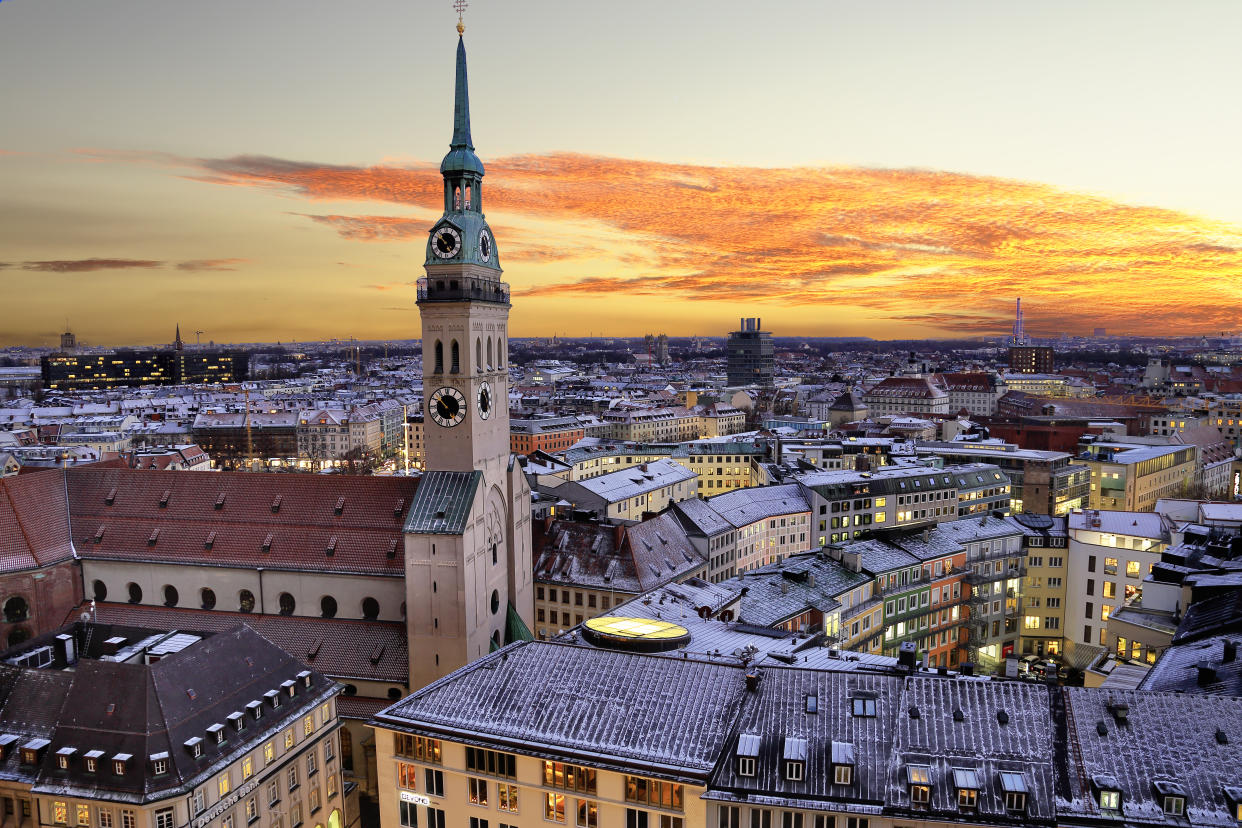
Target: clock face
(446, 242)
(484, 400)
(485, 245)
(447, 406)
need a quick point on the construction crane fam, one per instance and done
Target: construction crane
(198, 342)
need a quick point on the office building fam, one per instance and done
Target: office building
(750, 355)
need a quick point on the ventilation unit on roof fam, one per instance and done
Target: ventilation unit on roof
(164, 498)
(392, 549)
(111, 498)
(267, 543)
(331, 550)
(276, 503)
(399, 508)
(340, 505)
(220, 501)
(154, 537)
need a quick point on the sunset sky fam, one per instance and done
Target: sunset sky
(267, 170)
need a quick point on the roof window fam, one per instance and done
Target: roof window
(842, 763)
(1013, 785)
(966, 780)
(918, 777)
(864, 706)
(1108, 793)
(747, 753)
(1172, 797)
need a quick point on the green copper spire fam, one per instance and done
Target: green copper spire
(461, 157)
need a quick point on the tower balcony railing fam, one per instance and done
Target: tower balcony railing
(462, 289)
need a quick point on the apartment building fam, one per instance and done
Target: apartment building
(694, 742)
(1132, 477)
(1043, 482)
(1109, 555)
(544, 434)
(104, 725)
(1044, 587)
(627, 495)
(895, 396)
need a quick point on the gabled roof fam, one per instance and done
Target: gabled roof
(443, 502)
(34, 521)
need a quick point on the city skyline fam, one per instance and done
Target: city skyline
(838, 171)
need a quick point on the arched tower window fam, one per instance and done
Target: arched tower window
(457, 198)
(478, 353)
(439, 357)
(16, 609)
(489, 353)
(455, 366)
(467, 196)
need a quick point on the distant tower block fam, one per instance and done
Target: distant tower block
(68, 343)
(1019, 336)
(751, 354)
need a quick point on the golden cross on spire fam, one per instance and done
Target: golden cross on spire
(460, 7)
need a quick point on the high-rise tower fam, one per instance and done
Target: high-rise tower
(468, 567)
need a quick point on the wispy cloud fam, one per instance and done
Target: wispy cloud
(210, 264)
(935, 249)
(89, 265)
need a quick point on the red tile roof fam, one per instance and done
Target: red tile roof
(34, 524)
(277, 521)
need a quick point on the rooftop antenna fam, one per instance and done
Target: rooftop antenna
(459, 6)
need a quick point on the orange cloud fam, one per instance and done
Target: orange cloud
(210, 264)
(88, 265)
(937, 250)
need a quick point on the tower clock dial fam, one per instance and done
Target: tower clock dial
(447, 406)
(484, 400)
(446, 242)
(485, 245)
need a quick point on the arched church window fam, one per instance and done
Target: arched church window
(489, 353)
(287, 604)
(478, 353)
(101, 590)
(457, 198)
(467, 196)
(327, 607)
(370, 608)
(171, 597)
(245, 601)
(208, 596)
(16, 609)
(439, 357)
(455, 366)
(135, 593)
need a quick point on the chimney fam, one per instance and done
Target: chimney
(752, 682)
(966, 668)
(906, 655)
(1231, 652)
(618, 535)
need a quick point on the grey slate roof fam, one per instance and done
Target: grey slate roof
(978, 742)
(442, 503)
(565, 701)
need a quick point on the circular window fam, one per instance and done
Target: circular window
(350, 690)
(287, 604)
(394, 693)
(209, 598)
(16, 609)
(170, 595)
(370, 608)
(495, 601)
(101, 590)
(245, 601)
(327, 606)
(135, 593)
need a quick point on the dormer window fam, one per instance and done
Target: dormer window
(7, 741)
(32, 751)
(919, 779)
(290, 687)
(194, 746)
(1107, 793)
(216, 733)
(842, 763)
(63, 757)
(273, 698)
(237, 721)
(90, 760)
(305, 678)
(256, 709)
(1110, 800)
(1013, 785)
(966, 781)
(120, 763)
(747, 754)
(795, 759)
(1171, 796)
(159, 763)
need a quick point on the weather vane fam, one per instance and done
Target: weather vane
(460, 7)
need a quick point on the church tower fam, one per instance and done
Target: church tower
(469, 584)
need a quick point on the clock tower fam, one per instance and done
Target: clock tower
(469, 586)
(465, 315)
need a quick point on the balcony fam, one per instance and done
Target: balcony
(462, 289)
